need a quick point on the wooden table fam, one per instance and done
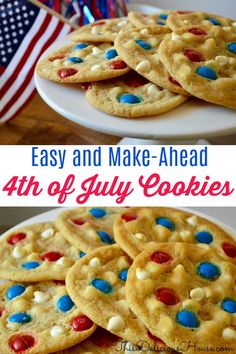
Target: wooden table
(38, 124)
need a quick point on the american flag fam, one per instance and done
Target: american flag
(25, 32)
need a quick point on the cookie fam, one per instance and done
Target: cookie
(132, 96)
(88, 228)
(36, 252)
(140, 20)
(140, 50)
(97, 284)
(136, 227)
(82, 62)
(203, 61)
(187, 19)
(186, 294)
(101, 31)
(40, 318)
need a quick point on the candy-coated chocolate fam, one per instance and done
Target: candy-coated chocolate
(197, 31)
(111, 54)
(64, 303)
(20, 317)
(81, 323)
(75, 60)
(128, 98)
(134, 80)
(80, 46)
(160, 23)
(98, 23)
(31, 265)
(164, 16)
(160, 257)
(229, 249)
(143, 44)
(105, 237)
(15, 291)
(66, 72)
(82, 254)
(123, 274)
(102, 285)
(208, 271)
(167, 296)
(52, 256)
(14, 239)
(207, 72)
(204, 237)
(20, 343)
(129, 217)
(232, 47)
(187, 319)
(117, 64)
(103, 339)
(214, 21)
(229, 305)
(97, 212)
(165, 222)
(79, 221)
(193, 55)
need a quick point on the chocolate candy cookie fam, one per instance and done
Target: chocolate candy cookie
(186, 295)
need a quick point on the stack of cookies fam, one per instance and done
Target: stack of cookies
(108, 280)
(147, 65)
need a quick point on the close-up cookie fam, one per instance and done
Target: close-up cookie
(187, 19)
(136, 227)
(140, 20)
(88, 228)
(39, 318)
(97, 284)
(101, 31)
(82, 62)
(203, 61)
(140, 50)
(185, 294)
(132, 96)
(36, 252)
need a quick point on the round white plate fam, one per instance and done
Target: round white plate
(193, 120)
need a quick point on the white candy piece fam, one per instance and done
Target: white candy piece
(222, 60)
(116, 323)
(57, 331)
(96, 51)
(144, 66)
(175, 36)
(122, 23)
(153, 89)
(13, 325)
(95, 67)
(197, 294)
(144, 31)
(142, 274)
(229, 333)
(140, 236)
(95, 262)
(40, 296)
(192, 220)
(47, 233)
(64, 262)
(18, 252)
(233, 24)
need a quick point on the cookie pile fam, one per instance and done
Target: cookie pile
(108, 280)
(146, 65)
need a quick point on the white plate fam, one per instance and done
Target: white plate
(193, 120)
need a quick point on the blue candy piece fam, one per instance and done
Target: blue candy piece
(128, 98)
(75, 60)
(229, 305)
(80, 46)
(31, 265)
(123, 274)
(97, 212)
(65, 303)
(111, 54)
(164, 16)
(143, 44)
(213, 21)
(82, 254)
(187, 319)
(232, 47)
(102, 285)
(160, 23)
(206, 72)
(20, 317)
(204, 237)
(105, 237)
(166, 222)
(208, 271)
(15, 291)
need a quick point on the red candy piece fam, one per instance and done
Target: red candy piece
(14, 239)
(99, 23)
(59, 282)
(155, 339)
(66, 72)
(197, 31)
(117, 64)
(78, 221)
(160, 257)
(103, 339)
(192, 55)
(20, 343)
(2, 310)
(51, 256)
(174, 81)
(229, 249)
(184, 12)
(85, 86)
(128, 217)
(81, 323)
(59, 56)
(134, 80)
(167, 296)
